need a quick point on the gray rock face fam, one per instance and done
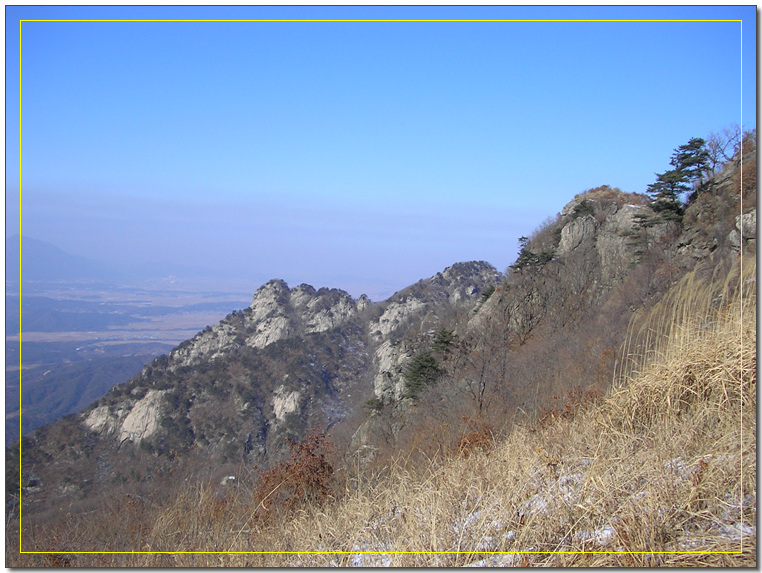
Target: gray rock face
(421, 305)
(748, 223)
(575, 232)
(614, 243)
(390, 361)
(276, 312)
(464, 281)
(745, 232)
(607, 231)
(706, 233)
(458, 284)
(207, 345)
(133, 421)
(395, 315)
(268, 315)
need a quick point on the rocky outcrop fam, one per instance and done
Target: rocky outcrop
(276, 312)
(464, 282)
(363, 347)
(209, 344)
(284, 402)
(143, 419)
(130, 421)
(101, 421)
(267, 318)
(606, 226)
(615, 246)
(395, 315)
(390, 361)
(713, 222)
(425, 301)
(405, 326)
(421, 307)
(574, 233)
(745, 232)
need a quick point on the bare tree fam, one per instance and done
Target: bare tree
(526, 302)
(723, 146)
(484, 360)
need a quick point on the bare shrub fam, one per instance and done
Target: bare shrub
(748, 184)
(479, 437)
(306, 478)
(607, 195)
(577, 400)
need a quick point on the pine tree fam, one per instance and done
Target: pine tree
(423, 371)
(689, 162)
(692, 159)
(529, 258)
(665, 194)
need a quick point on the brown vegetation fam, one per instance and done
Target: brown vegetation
(608, 195)
(660, 472)
(305, 479)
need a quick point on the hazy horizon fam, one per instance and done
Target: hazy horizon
(356, 155)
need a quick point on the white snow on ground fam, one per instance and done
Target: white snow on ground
(601, 537)
(502, 560)
(485, 529)
(369, 559)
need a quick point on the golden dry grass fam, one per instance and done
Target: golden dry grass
(662, 471)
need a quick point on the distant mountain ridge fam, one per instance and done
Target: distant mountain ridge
(46, 262)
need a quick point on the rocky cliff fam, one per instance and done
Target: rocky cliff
(556, 322)
(276, 312)
(422, 307)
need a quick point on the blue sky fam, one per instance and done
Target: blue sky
(358, 155)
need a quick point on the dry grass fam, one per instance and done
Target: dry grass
(662, 471)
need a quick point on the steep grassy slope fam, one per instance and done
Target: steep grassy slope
(662, 471)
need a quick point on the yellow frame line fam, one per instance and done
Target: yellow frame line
(742, 281)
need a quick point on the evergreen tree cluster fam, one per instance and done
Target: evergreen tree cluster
(529, 258)
(423, 371)
(689, 164)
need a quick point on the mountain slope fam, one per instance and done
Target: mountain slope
(294, 360)
(661, 472)
(50, 391)
(464, 351)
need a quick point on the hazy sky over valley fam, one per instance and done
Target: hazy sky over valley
(358, 155)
